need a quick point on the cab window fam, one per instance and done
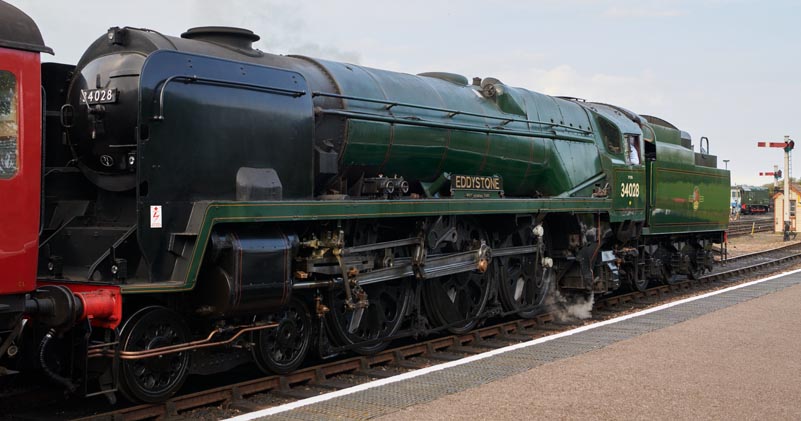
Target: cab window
(9, 128)
(611, 136)
(650, 146)
(632, 149)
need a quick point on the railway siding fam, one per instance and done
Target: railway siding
(750, 226)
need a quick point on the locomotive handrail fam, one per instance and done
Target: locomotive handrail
(704, 151)
(220, 82)
(450, 113)
(468, 127)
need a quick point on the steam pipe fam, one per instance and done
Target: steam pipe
(172, 349)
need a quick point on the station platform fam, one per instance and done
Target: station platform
(730, 354)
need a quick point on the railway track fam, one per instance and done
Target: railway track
(750, 226)
(252, 395)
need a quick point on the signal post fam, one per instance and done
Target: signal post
(776, 174)
(788, 146)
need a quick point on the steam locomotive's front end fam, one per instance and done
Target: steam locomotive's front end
(101, 115)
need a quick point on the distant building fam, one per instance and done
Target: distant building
(778, 206)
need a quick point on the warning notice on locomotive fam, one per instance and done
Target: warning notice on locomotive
(476, 186)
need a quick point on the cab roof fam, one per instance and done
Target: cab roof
(19, 31)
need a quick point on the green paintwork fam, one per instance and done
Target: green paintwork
(552, 154)
(675, 207)
(311, 210)
(629, 193)
(666, 135)
(683, 197)
(533, 141)
(627, 181)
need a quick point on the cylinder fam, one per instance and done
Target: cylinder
(247, 272)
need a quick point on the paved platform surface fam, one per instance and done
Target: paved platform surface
(735, 355)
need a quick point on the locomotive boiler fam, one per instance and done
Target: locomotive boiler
(216, 205)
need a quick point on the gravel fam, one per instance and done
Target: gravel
(745, 244)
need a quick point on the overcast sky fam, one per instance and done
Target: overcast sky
(726, 69)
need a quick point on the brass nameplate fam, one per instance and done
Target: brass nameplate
(476, 186)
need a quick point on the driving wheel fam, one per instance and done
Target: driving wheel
(523, 281)
(381, 319)
(457, 301)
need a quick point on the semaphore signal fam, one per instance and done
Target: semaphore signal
(774, 174)
(788, 146)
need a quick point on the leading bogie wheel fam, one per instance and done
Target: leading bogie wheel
(153, 379)
(282, 349)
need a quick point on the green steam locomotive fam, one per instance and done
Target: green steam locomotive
(256, 207)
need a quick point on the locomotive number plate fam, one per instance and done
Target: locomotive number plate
(629, 189)
(98, 96)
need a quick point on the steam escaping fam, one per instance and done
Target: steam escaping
(285, 26)
(571, 308)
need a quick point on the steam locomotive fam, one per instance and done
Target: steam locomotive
(179, 205)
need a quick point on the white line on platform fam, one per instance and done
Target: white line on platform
(412, 374)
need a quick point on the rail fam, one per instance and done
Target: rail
(297, 385)
(750, 226)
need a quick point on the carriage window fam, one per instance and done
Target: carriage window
(9, 129)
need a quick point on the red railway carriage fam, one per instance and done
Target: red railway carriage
(20, 160)
(22, 297)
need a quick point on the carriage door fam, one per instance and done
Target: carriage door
(20, 168)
